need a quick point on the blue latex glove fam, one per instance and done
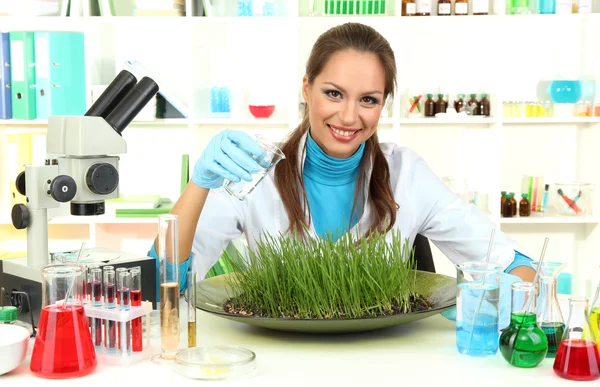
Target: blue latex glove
(506, 280)
(230, 155)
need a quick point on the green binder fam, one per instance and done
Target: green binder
(22, 72)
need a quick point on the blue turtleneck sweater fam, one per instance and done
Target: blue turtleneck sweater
(330, 187)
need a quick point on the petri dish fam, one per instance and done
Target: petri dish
(214, 363)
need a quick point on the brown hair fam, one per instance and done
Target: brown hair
(288, 177)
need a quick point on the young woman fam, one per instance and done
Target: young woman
(335, 170)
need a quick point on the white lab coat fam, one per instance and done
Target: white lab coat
(460, 230)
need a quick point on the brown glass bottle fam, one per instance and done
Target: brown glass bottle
(484, 105)
(524, 206)
(507, 207)
(502, 198)
(440, 104)
(514, 204)
(459, 103)
(474, 104)
(409, 7)
(429, 106)
(444, 7)
(423, 7)
(461, 7)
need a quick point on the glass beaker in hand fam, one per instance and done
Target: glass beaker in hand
(477, 308)
(63, 346)
(578, 357)
(272, 155)
(523, 344)
(549, 316)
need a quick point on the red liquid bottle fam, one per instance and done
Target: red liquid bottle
(63, 346)
(578, 357)
(136, 300)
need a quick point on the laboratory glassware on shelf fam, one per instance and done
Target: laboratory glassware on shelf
(578, 357)
(523, 344)
(63, 346)
(168, 253)
(477, 308)
(549, 315)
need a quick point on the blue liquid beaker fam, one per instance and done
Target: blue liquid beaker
(547, 6)
(565, 91)
(219, 102)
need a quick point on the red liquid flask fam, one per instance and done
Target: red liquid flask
(578, 357)
(63, 346)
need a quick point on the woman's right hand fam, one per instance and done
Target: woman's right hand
(227, 156)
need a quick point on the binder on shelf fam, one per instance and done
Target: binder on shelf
(60, 74)
(5, 96)
(22, 74)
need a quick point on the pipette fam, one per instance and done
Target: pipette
(487, 262)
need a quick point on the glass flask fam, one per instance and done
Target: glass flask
(595, 316)
(578, 357)
(523, 344)
(63, 346)
(549, 316)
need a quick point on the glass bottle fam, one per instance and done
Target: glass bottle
(480, 7)
(595, 316)
(507, 210)
(484, 105)
(429, 106)
(461, 7)
(459, 103)
(578, 357)
(440, 104)
(514, 204)
(523, 344)
(502, 198)
(409, 7)
(549, 316)
(473, 105)
(524, 206)
(423, 7)
(444, 8)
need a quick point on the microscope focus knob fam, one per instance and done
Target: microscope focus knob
(20, 216)
(102, 178)
(20, 183)
(63, 188)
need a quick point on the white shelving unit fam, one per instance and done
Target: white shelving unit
(473, 54)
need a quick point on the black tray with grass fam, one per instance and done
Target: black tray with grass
(319, 286)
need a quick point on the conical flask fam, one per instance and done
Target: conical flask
(578, 357)
(549, 316)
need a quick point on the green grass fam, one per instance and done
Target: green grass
(321, 279)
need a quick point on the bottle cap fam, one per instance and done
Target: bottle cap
(524, 196)
(8, 314)
(429, 95)
(462, 95)
(503, 193)
(440, 95)
(484, 95)
(473, 95)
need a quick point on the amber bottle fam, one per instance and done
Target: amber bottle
(409, 7)
(484, 105)
(444, 7)
(461, 7)
(429, 106)
(507, 207)
(514, 204)
(440, 104)
(474, 104)
(423, 7)
(459, 103)
(524, 206)
(502, 198)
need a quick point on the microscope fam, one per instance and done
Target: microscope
(83, 171)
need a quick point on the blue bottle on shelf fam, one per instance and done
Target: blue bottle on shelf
(244, 8)
(219, 102)
(547, 6)
(565, 91)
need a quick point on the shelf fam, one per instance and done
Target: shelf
(103, 219)
(551, 220)
(243, 121)
(551, 120)
(448, 121)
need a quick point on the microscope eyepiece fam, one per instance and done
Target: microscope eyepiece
(113, 94)
(132, 104)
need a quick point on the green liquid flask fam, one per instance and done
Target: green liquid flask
(523, 344)
(549, 316)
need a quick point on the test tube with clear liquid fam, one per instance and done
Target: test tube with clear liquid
(110, 327)
(124, 289)
(191, 307)
(119, 270)
(168, 253)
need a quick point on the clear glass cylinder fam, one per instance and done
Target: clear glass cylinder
(63, 346)
(523, 344)
(477, 308)
(168, 255)
(578, 357)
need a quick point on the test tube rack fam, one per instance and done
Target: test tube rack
(123, 358)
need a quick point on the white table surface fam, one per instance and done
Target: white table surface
(423, 352)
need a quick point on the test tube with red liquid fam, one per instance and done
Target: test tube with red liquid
(119, 270)
(124, 290)
(136, 300)
(110, 327)
(96, 299)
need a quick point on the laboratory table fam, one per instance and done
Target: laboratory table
(419, 354)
